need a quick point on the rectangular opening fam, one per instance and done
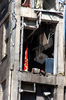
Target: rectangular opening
(44, 92)
(39, 57)
(27, 87)
(39, 4)
(28, 96)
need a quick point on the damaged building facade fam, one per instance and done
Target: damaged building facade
(32, 50)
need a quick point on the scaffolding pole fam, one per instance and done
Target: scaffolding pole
(22, 37)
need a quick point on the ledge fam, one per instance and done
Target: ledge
(47, 16)
(36, 78)
(28, 12)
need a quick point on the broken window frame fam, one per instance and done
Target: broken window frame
(55, 51)
(37, 4)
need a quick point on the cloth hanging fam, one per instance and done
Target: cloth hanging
(26, 58)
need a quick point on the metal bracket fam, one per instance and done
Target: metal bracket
(20, 90)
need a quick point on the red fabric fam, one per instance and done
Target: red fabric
(26, 3)
(26, 58)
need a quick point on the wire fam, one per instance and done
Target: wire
(61, 74)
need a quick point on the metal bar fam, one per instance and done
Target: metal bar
(64, 34)
(48, 11)
(57, 5)
(12, 33)
(56, 51)
(40, 18)
(22, 36)
(19, 90)
(34, 87)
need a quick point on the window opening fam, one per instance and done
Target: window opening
(40, 48)
(39, 4)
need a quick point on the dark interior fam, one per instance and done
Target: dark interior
(22, 1)
(34, 43)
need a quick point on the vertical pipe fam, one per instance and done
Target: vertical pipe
(19, 90)
(40, 18)
(56, 51)
(34, 87)
(22, 36)
(64, 38)
(57, 4)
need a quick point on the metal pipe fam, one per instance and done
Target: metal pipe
(12, 41)
(48, 11)
(56, 51)
(22, 36)
(57, 5)
(64, 36)
(19, 90)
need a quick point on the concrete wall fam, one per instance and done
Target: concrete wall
(4, 62)
(14, 85)
(61, 46)
(5, 72)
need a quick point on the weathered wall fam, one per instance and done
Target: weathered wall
(4, 62)
(4, 65)
(61, 46)
(65, 58)
(14, 86)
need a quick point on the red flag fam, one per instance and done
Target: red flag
(26, 58)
